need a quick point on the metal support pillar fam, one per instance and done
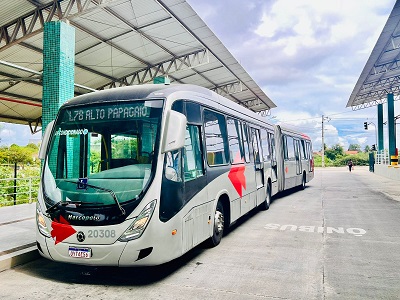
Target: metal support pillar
(380, 146)
(323, 144)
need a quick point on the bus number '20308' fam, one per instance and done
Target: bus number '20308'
(101, 233)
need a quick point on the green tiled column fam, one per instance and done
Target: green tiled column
(380, 145)
(58, 68)
(58, 71)
(391, 129)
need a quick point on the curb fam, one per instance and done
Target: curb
(19, 257)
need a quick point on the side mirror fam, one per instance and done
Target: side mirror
(45, 140)
(174, 132)
(170, 174)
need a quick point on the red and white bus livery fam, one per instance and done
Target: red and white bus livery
(140, 175)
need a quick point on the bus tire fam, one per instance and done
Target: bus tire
(219, 222)
(303, 182)
(267, 201)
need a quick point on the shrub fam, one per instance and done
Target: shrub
(360, 159)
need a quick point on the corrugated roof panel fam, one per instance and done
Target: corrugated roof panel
(26, 89)
(36, 41)
(137, 45)
(385, 51)
(173, 37)
(19, 111)
(386, 57)
(106, 26)
(26, 58)
(107, 44)
(11, 10)
(88, 79)
(12, 72)
(140, 12)
(184, 9)
(9, 108)
(83, 45)
(103, 58)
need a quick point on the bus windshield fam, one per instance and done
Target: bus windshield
(102, 154)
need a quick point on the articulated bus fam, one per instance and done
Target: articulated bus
(139, 175)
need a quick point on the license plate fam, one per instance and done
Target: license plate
(80, 252)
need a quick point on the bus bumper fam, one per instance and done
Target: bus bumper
(122, 254)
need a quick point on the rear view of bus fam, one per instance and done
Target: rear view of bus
(97, 171)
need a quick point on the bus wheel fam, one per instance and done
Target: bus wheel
(303, 182)
(267, 201)
(218, 225)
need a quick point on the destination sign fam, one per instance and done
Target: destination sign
(116, 112)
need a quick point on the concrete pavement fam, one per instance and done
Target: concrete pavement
(17, 223)
(17, 235)
(337, 239)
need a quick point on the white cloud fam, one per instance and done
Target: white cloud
(305, 54)
(17, 134)
(7, 133)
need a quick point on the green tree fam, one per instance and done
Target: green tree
(335, 152)
(360, 159)
(367, 148)
(4, 155)
(354, 147)
(15, 154)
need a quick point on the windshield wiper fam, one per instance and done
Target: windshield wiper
(55, 205)
(96, 188)
(66, 203)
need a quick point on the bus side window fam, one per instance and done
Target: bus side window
(235, 141)
(246, 143)
(285, 153)
(303, 150)
(308, 150)
(297, 152)
(290, 151)
(193, 113)
(189, 159)
(265, 145)
(216, 138)
(193, 154)
(255, 142)
(271, 138)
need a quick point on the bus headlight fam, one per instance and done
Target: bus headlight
(41, 223)
(136, 229)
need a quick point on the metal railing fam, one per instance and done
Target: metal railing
(382, 157)
(15, 191)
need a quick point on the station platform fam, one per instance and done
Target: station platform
(388, 171)
(17, 235)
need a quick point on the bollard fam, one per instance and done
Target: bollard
(394, 160)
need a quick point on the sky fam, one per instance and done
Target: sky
(306, 55)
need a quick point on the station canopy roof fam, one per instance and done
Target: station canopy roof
(118, 43)
(381, 74)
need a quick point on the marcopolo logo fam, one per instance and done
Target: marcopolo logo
(60, 132)
(340, 230)
(83, 218)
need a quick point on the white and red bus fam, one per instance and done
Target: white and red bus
(140, 175)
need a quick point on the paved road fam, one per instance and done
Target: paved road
(337, 239)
